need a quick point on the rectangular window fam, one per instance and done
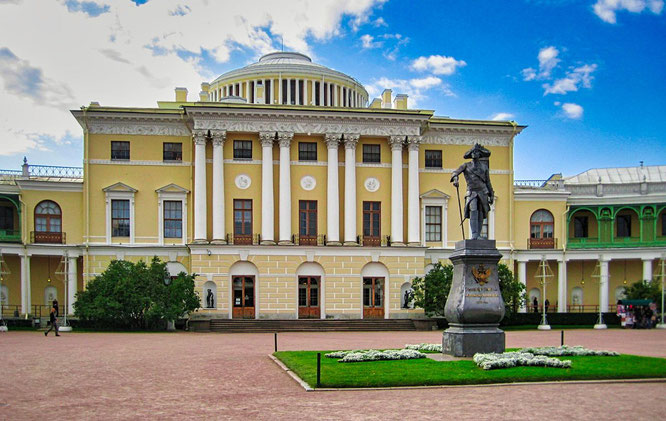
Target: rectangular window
(172, 151)
(120, 218)
(624, 226)
(242, 149)
(433, 159)
(580, 226)
(173, 219)
(307, 219)
(242, 221)
(372, 223)
(307, 151)
(120, 150)
(433, 217)
(6, 218)
(371, 153)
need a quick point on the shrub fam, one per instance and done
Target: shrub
(134, 296)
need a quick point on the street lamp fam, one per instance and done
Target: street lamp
(4, 271)
(62, 272)
(597, 273)
(543, 273)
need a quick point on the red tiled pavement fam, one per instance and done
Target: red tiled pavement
(229, 376)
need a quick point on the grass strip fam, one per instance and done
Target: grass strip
(427, 372)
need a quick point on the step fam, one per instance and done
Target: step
(309, 325)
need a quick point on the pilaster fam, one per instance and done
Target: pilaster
(333, 191)
(396, 143)
(267, 201)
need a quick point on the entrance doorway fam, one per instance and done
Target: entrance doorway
(243, 298)
(373, 298)
(308, 297)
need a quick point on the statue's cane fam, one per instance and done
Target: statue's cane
(462, 228)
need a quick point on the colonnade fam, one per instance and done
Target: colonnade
(314, 92)
(284, 140)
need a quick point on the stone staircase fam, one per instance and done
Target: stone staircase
(309, 325)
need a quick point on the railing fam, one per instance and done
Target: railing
(574, 308)
(11, 310)
(542, 243)
(309, 240)
(10, 236)
(374, 241)
(47, 237)
(619, 242)
(55, 171)
(529, 183)
(244, 240)
(11, 173)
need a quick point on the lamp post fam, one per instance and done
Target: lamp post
(543, 273)
(4, 270)
(62, 271)
(171, 324)
(662, 273)
(597, 273)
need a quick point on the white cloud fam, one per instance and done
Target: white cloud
(578, 77)
(502, 116)
(368, 42)
(120, 54)
(547, 62)
(606, 9)
(416, 88)
(439, 65)
(398, 40)
(379, 22)
(573, 111)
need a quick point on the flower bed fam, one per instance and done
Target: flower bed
(567, 351)
(425, 347)
(515, 359)
(375, 355)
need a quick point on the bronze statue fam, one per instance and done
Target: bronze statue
(480, 194)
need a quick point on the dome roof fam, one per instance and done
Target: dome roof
(286, 62)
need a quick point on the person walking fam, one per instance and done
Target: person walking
(535, 305)
(54, 320)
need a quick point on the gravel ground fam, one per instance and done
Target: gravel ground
(229, 376)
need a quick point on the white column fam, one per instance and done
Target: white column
(335, 95)
(284, 139)
(267, 203)
(25, 284)
(306, 99)
(219, 235)
(200, 223)
(522, 278)
(288, 91)
(71, 284)
(298, 91)
(647, 269)
(351, 141)
(413, 188)
(561, 286)
(321, 92)
(247, 91)
(333, 191)
(271, 94)
(396, 190)
(603, 284)
(280, 89)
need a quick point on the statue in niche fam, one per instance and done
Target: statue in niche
(210, 299)
(480, 194)
(409, 294)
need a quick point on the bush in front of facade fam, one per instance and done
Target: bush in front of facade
(136, 296)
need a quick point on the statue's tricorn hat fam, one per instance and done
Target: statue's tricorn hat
(484, 153)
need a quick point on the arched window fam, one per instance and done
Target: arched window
(541, 229)
(48, 222)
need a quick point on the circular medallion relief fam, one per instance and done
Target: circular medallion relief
(243, 181)
(371, 184)
(308, 182)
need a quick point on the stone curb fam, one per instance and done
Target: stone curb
(308, 388)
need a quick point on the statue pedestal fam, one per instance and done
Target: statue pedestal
(475, 306)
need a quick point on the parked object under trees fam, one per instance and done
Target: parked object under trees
(136, 296)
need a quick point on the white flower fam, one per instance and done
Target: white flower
(515, 359)
(565, 350)
(425, 347)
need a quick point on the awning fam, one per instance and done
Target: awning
(635, 302)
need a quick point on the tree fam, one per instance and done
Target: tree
(134, 295)
(644, 290)
(431, 291)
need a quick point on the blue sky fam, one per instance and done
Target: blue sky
(586, 77)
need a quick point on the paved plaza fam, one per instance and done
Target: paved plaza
(229, 376)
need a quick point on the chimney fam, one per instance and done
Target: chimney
(181, 94)
(203, 95)
(386, 98)
(400, 102)
(376, 103)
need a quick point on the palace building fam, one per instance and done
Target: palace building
(292, 194)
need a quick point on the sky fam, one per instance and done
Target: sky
(586, 76)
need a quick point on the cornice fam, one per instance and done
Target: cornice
(467, 134)
(139, 123)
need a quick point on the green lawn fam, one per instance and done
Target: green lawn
(424, 372)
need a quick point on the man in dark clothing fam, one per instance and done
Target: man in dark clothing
(535, 304)
(546, 303)
(54, 320)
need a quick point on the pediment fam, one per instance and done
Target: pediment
(435, 194)
(172, 188)
(120, 188)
